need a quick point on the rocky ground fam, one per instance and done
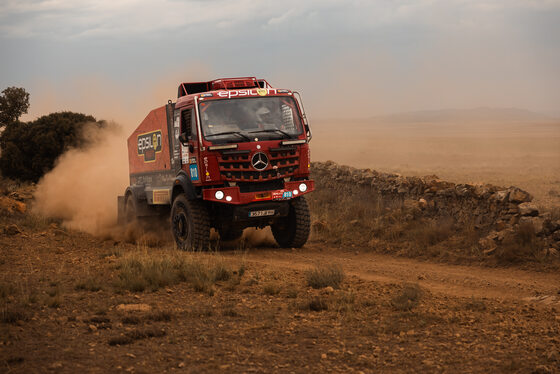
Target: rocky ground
(72, 302)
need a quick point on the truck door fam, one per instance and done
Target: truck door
(190, 148)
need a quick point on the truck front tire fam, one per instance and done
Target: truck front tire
(190, 224)
(293, 230)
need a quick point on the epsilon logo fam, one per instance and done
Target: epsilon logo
(149, 144)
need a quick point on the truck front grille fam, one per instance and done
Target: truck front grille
(237, 168)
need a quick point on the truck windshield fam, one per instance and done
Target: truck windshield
(242, 120)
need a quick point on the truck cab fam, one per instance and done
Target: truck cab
(228, 154)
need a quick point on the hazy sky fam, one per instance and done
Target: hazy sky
(118, 59)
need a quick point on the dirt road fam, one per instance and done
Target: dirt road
(445, 279)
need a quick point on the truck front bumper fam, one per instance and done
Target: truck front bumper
(232, 195)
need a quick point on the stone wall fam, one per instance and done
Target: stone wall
(495, 211)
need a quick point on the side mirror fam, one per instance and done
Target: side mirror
(184, 139)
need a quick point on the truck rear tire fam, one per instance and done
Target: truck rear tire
(293, 230)
(190, 224)
(130, 210)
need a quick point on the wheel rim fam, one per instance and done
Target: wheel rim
(181, 226)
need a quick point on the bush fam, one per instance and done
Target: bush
(140, 272)
(325, 276)
(29, 150)
(408, 298)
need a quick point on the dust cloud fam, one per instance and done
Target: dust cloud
(82, 188)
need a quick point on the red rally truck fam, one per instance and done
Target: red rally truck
(228, 154)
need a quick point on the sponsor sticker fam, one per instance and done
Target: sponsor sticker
(246, 92)
(276, 195)
(160, 196)
(194, 172)
(149, 144)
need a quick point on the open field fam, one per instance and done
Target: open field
(521, 153)
(383, 285)
(72, 302)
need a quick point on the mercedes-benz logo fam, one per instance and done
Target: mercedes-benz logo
(259, 161)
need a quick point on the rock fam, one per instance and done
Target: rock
(542, 369)
(517, 195)
(422, 203)
(501, 196)
(553, 356)
(323, 356)
(552, 252)
(134, 308)
(92, 328)
(536, 222)
(501, 225)
(10, 206)
(501, 235)
(487, 245)
(329, 289)
(12, 229)
(528, 209)
(55, 365)
(493, 235)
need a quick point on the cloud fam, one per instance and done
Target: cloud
(109, 18)
(409, 54)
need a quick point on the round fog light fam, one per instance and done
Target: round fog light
(219, 195)
(295, 192)
(228, 198)
(303, 187)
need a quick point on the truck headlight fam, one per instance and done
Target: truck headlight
(219, 195)
(303, 187)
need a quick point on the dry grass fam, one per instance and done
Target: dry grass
(89, 284)
(325, 276)
(271, 289)
(408, 298)
(345, 214)
(316, 304)
(521, 246)
(432, 232)
(150, 271)
(16, 302)
(137, 334)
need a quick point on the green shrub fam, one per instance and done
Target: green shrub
(29, 150)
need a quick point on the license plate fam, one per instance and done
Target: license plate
(261, 213)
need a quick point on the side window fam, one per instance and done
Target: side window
(187, 119)
(194, 132)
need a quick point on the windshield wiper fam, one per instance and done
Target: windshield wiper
(272, 130)
(230, 133)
